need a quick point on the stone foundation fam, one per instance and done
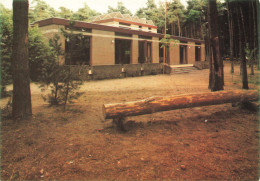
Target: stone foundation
(100, 72)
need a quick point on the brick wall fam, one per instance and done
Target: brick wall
(132, 70)
(100, 72)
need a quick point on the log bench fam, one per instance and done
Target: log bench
(119, 111)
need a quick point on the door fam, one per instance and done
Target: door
(122, 51)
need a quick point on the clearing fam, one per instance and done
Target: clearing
(203, 143)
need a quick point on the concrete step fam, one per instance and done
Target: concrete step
(182, 69)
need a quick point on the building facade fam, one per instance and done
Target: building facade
(121, 41)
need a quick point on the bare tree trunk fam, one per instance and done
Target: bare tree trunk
(243, 24)
(21, 79)
(254, 38)
(231, 41)
(251, 37)
(211, 67)
(257, 33)
(201, 29)
(217, 62)
(191, 32)
(172, 32)
(179, 26)
(208, 55)
(242, 48)
(194, 30)
(252, 68)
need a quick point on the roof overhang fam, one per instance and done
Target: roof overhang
(125, 21)
(81, 24)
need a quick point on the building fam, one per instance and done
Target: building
(116, 45)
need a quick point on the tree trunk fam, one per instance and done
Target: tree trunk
(211, 67)
(230, 22)
(251, 37)
(242, 49)
(252, 69)
(21, 79)
(172, 31)
(208, 55)
(179, 26)
(201, 29)
(193, 32)
(243, 24)
(217, 62)
(191, 36)
(257, 33)
(254, 37)
(158, 104)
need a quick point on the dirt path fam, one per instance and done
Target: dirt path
(176, 145)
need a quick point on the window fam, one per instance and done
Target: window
(197, 52)
(122, 51)
(141, 52)
(77, 50)
(167, 54)
(145, 52)
(183, 52)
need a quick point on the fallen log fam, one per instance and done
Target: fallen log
(157, 104)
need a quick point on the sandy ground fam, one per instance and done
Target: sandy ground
(79, 144)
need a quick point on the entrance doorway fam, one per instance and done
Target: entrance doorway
(197, 52)
(144, 52)
(183, 54)
(167, 54)
(122, 51)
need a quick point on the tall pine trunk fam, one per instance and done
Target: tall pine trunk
(231, 41)
(254, 39)
(172, 31)
(257, 33)
(179, 26)
(216, 69)
(201, 29)
(20, 66)
(242, 47)
(252, 36)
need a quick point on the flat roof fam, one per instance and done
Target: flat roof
(124, 18)
(124, 21)
(82, 24)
